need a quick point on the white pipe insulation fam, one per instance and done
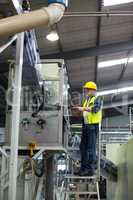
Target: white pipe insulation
(25, 21)
(55, 12)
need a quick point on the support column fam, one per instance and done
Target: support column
(16, 118)
(49, 189)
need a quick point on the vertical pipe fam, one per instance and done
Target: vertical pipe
(3, 175)
(26, 188)
(49, 179)
(60, 121)
(40, 188)
(15, 118)
(130, 116)
(98, 193)
(99, 151)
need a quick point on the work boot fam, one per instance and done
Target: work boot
(80, 171)
(86, 173)
(77, 173)
(90, 173)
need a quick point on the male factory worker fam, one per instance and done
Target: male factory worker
(92, 116)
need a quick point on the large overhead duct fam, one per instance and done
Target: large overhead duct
(42, 17)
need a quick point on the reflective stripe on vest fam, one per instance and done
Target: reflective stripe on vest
(93, 118)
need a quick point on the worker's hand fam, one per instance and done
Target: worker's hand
(78, 108)
(81, 109)
(87, 109)
(75, 108)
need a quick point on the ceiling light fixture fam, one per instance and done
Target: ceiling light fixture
(52, 36)
(115, 2)
(111, 63)
(115, 91)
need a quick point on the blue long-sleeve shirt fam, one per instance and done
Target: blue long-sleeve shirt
(97, 105)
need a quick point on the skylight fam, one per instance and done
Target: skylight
(115, 2)
(111, 63)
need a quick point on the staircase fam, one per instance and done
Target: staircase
(81, 187)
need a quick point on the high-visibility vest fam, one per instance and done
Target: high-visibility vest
(93, 118)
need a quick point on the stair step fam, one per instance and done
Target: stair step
(79, 177)
(81, 192)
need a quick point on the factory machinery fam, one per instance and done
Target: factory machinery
(47, 142)
(48, 150)
(39, 147)
(43, 127)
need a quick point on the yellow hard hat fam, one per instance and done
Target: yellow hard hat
(90, 85)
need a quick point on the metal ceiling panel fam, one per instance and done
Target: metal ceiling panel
(118, 28)
(109, 76)
(113, 56)
(117, 33)
(79, 33)
(128, 75)
(80, 71)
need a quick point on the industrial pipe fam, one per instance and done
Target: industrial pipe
(99, 14)
(42, 17)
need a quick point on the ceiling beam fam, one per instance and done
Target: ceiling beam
(92, 51)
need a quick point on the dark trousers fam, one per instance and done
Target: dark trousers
(88, 146)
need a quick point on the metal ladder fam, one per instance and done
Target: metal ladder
(81, 187)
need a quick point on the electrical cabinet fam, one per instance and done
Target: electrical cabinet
(42, 113)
